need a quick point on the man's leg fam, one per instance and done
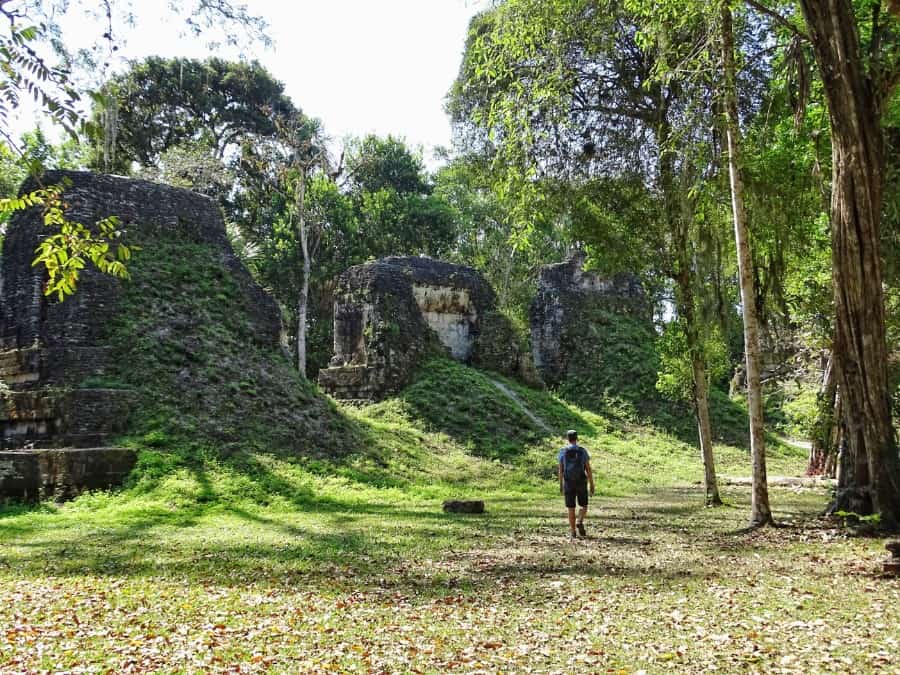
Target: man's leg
(571, 510)
(583, 503)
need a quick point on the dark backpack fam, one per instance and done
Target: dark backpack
(574, 460)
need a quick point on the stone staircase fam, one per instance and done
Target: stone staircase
(350, 383)
(54, 439)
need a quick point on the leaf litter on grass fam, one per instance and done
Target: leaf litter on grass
(661, 584)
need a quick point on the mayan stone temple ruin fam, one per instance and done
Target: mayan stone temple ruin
(60, 412)
(57, 414)
(390, 313)
(562, 313)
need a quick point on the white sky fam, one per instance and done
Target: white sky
(361, 66)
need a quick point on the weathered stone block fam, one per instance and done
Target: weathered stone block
(457, 506)
(565, 294)
(54, 356)
(503, 349)
(33, 475)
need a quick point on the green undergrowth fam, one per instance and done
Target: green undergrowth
(613, 371)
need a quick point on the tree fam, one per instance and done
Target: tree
(195, 167)
(564, 89)
(288, 164)
(166, 103)
(760, 511)
(490, 238)
(307, 155)
(25, 64)
(394, 202)
(858, 93)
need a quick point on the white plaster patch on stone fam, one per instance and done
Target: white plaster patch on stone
(453, 331)
(449, 313)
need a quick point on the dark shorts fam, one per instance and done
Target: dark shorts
(578, 491)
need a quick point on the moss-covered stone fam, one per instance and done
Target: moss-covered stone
(503, 348)
(392, 313)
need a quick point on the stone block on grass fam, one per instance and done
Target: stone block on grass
(459, 506)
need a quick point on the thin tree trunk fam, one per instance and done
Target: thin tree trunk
(303, 300)
(701, 398)
(699, 388)
(685, 307)
(856, 202)
(760, 513)
(833, 458)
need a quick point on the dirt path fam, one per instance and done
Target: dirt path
(515, 399)
(782, 481)
(806, 445)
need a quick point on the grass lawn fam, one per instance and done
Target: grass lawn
(394, 585)
(266, 553)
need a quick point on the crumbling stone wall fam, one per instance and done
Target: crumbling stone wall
(391, 313)
(61, 474)
(562, 311)
(503, 348)
(54, 361)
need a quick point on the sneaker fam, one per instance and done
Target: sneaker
(581, 530)
(572, 535)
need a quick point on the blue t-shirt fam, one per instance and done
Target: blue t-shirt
(562, 453)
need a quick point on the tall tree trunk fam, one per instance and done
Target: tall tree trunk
(303, 300)
(704, 428)
(685, 307)
(700, 390)
(836, 440)
(821, 442)
(856, 202)
(760, 513)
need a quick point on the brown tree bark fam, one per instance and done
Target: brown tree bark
(704, 427)
(821, 443)
(833, 458)
(760, 512)
(855, 97)
(700, 390)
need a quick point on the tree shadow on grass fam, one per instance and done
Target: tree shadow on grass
(330, 543)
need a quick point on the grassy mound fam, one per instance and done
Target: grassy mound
(467, 409)
(184, 341)
(613, 371)
(223, 420)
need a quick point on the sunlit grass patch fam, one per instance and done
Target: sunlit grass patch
(397, 585)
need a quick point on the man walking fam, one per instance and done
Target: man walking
(575, 481)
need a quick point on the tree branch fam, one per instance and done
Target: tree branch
(759, 7)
